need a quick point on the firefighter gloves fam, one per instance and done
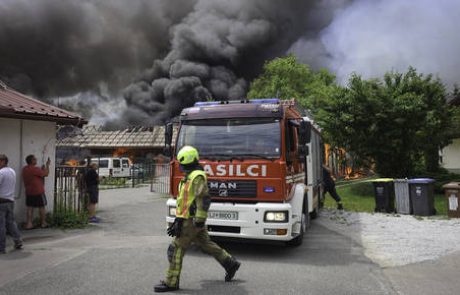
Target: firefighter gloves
(175, 229)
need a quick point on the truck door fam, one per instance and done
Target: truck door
(292, 162)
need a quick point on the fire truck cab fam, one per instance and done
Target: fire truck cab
(263, 161)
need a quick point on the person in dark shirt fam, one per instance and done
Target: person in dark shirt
(329, 187)
(92, 183)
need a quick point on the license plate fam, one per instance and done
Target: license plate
(226, 215)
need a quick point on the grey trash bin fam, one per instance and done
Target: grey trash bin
(422, 196)
(403, 204)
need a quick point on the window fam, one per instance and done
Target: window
(116, 163)
(229, 138)
(125, 163)
(104, 164)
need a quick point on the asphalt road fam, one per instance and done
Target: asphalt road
(126, 254)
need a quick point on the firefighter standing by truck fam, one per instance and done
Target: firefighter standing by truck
(193, 204)
(329, 187)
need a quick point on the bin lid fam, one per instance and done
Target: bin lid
(421, 180)
(383, 180)
(401, 180)
(452, 185)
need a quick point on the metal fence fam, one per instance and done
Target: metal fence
(160, 181)
(69, 189)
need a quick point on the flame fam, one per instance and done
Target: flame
(119, 152)
(123, 152)
(72, 162)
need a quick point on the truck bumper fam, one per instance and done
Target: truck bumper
(250, 223)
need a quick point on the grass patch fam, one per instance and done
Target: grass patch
(356, 196)
(359, 197)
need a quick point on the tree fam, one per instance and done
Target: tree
(395, 124)
(286, 78)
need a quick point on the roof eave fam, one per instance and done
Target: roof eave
(9, 113)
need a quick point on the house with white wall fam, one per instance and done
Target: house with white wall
(28, 126)
(449, 156)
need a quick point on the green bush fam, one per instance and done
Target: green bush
(113, 181)
(68, 219)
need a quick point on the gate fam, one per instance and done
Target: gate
(160, 181)
(69, 189)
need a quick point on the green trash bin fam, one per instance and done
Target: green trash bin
(422, 196)
(384, 195)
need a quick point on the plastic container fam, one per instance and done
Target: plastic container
(402, 196)
(422, 196)
(452, 191)
(384, 195)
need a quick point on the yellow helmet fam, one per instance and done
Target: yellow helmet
(187, 155)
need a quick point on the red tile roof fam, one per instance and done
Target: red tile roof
(16, 105)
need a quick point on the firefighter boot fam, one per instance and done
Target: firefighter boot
(231, 266)
(339, 206)
(162, 287)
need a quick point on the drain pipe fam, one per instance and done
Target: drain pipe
(21, 156)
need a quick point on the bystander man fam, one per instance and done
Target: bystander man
(7, 194)
(92, 189)
(34, 182)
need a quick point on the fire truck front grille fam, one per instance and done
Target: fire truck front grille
(233, 188)
(224, 229)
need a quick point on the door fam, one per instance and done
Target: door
(116, 170)
(125, 167)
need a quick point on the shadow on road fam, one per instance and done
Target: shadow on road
(321, 246)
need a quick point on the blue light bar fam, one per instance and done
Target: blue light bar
(265, 100)
(253, 101)
(206, 103)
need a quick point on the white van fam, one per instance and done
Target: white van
(112, 167)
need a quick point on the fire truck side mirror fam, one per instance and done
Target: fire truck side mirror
(304, 133)
(168, 139)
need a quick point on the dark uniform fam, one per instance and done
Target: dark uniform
(329, 187)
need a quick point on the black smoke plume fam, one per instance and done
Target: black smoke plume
(152, 58)
(214, 51)
(52, 48)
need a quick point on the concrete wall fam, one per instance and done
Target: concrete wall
(19, 138)
(451, 156)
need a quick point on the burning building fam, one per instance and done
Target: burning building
(136, 143)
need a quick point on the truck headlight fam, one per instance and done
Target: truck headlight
(172, 211)
(276, 216)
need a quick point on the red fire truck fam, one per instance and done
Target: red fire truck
(263, 161)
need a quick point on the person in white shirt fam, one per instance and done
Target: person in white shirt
(7, 191)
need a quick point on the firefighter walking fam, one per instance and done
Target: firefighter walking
(193, 203)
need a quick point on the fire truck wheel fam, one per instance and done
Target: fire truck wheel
(305, 224)
(315, 212)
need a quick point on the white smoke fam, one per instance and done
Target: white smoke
(371, 37)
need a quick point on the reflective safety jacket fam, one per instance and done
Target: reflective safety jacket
(193, 200)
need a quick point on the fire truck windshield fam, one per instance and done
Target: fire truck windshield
(232, 138)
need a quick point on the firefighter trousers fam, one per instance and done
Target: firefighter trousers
(176, 250)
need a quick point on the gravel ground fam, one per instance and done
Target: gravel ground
(395, 240)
